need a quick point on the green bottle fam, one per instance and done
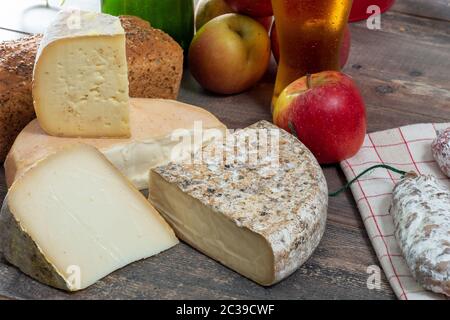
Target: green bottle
(175, 17)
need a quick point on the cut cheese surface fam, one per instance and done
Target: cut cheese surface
(80, 80)
(73, 219)
(153, 122)
(257, 205)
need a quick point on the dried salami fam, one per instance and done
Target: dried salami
(441, 151)
(421, 212)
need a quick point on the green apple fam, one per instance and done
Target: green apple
(229, 54)
(209, 9)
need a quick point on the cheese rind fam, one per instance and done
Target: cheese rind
(80, 78)
(75, 211)
(152, 123)
(261, 219)
(20, 250)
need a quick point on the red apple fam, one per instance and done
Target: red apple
(326, 112)
(344, 52)
(253, 8)
(229, 54)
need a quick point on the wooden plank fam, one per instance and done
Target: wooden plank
(432, 9)
(183, 273)
(401, 71)
(402, 79)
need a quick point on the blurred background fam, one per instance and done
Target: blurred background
(33, 16)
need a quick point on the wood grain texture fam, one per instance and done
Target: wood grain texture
(402, 71)
(435, 9)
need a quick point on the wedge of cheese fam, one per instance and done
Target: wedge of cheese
(154, 141)
(257, 203)
(80, 80)
(73, 219)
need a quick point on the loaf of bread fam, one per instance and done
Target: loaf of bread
(155, 60)
(16, 102)
(155, 66)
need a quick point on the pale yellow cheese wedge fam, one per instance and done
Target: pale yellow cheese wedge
(73, 218)
(80, 78)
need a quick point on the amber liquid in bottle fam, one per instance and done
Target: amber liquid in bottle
(310, 34)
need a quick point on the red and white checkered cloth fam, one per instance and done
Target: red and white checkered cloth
(409, 149)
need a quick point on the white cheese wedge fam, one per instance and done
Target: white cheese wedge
(152, 143)
(73, 219)
(262, 217)
(80, 78)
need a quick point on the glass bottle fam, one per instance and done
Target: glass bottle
(310, 34)
(175, 17)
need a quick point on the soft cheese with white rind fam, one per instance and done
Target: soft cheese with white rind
(153, 121)
(80, 77)
(263, 218)
(421, 212)
(73, 219)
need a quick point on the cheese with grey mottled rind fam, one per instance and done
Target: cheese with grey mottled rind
(73, 218)
(260, 218)
(421, 212)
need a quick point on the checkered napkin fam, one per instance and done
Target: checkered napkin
(409, 149)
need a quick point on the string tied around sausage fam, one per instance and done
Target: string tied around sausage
(384, 166)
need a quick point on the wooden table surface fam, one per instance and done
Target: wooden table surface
(403, 73)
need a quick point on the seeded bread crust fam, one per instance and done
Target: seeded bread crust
(155, 66)
(155, 60)
(16, 103)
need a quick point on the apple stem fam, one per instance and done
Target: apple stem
(308, 80)
(345, 187)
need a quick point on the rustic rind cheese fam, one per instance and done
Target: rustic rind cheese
(260, 218)
(73, 218)
(80, 78)
(421, 212)
(153, 121)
